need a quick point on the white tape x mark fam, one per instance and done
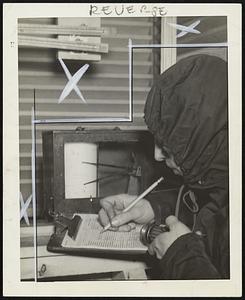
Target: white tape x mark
(73, 80)
(186, 29)
(24, 207)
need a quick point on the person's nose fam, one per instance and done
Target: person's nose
(159, 156)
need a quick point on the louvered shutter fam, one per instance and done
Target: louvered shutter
(105, 87)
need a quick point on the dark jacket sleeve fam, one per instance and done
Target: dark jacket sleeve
(186, 259)
(190, 256)
(163, 203)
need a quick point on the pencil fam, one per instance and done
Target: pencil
(140, 197)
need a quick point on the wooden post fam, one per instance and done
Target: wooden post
(168, 36)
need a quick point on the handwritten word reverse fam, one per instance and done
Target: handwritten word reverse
(143, 10)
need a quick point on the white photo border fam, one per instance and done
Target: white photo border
(11, 249)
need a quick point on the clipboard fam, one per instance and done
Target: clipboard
(93, 207)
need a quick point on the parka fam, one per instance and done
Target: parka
(187, 112)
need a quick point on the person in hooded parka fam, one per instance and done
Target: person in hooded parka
(187, 113)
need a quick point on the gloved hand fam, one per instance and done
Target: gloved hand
(113, 206)
(164, 240)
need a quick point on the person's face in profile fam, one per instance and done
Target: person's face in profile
(164, 154)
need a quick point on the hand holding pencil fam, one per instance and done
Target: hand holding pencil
(118, 211)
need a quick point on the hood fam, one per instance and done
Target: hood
(186, 110)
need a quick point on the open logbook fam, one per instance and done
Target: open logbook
(89, 237)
